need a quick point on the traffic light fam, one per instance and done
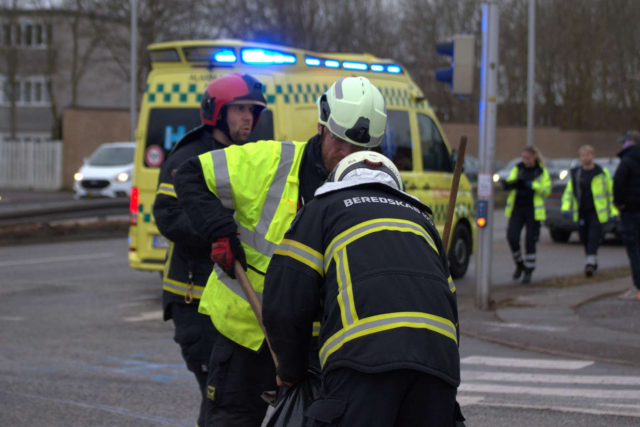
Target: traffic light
(460, 75)
(482, 211)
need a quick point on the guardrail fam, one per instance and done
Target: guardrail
(57, 211)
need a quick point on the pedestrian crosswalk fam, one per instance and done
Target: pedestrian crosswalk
(547, 384)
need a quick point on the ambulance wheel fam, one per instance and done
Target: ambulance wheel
(460, 251)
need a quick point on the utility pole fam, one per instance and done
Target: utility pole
(134, 66)
(487, 142)
(531, 71)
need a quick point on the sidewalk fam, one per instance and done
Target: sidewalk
(586, 321)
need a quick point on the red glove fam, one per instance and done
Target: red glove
(226, 251)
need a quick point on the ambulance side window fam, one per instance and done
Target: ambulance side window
(435, 155)
(396, 143)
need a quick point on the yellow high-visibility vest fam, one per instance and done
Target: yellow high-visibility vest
(602, 190)
(541, 189)
(260, 182)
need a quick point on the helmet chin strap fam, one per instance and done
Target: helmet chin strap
(223, 126)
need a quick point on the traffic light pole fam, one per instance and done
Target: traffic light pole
(487, 141)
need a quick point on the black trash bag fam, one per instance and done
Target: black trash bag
(292, 402)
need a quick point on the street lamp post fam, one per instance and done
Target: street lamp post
(134, 66)
(531, 71)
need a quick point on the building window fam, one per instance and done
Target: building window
(26, 34)
(28, 92)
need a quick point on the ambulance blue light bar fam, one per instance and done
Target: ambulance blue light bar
(225, 57)
(377, 68)
(394, 69)
(255, 56)
(361, 66)
(331, 63)
(312, 62)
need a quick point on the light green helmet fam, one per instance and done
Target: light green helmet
(354, 110)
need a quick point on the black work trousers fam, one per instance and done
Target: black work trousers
(398, 398)
(521, 217)
(237, 378)
(197, 336)
(630, 229)
(590, 231)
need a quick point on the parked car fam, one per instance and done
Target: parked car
(107, 172)
(554, 166)
(561, 228)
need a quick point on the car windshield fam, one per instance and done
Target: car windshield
(112, 156)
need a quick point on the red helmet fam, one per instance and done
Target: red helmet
(233, 88)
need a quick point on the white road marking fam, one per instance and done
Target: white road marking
(469, 400)
(511, 362)
(577, 410)
(528, 327)
(548, 391)
(55, 259)
(150, 315)
(12, 318)
(550, 379)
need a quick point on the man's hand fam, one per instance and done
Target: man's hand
(566, 214)
(225, 251)
(282, 383)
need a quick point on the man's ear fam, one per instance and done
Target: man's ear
(319, 129)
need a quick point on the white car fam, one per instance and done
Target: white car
(107, 173)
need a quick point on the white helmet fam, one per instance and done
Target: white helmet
(369, 166)
(354, 110)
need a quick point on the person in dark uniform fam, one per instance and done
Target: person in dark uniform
(588, 200)
(626, 195)
(230, 110)
(367, 257)
(528, 185)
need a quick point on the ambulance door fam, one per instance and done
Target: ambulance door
(434, 183)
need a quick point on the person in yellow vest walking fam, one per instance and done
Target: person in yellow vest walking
(265, 184)
(528, 185)
(588, 200)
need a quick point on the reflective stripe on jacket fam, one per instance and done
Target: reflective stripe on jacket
(602, 190)
(260, 182)
(541, 187)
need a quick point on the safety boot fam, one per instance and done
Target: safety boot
(589, 270)
(519, 270)
(528, 272)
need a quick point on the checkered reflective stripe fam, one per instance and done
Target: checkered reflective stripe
(145, 216)
(290, 93)
(440, 211)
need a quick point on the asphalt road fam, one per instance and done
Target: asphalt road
(83, 344)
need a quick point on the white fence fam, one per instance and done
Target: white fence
(31, 165)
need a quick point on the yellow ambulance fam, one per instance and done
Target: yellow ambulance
(292, 81)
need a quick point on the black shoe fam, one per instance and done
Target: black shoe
(528, 272)
(589, 270)
(519, 270)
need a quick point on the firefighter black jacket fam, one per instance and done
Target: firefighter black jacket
(370, 261)
(188, 252)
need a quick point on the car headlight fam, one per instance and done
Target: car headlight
(496, 177)
(123, 177)
(77, 176)
(563, 174)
